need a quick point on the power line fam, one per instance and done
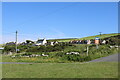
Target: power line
(8, 32)
(100, 33)
(16, 40)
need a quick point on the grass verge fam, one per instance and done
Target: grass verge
(61, 70)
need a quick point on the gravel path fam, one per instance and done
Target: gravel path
(14, 63)
(111, 58)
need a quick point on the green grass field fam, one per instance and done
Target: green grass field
(89, 37)
(61, 70)
(1, 45)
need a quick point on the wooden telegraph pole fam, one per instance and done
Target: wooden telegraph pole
(16, 41)
(88, 42)
(100, 33)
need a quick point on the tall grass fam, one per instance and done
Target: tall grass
(61, 57)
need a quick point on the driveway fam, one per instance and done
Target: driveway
(111, 58)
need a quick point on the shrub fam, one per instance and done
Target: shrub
(8, 48)
(26, 54)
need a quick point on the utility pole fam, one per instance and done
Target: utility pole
(97, 46)
(100, 33)
(100, 36)
(16, 41)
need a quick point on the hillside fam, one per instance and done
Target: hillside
(86, 38)
(66, 39)
(1, 45)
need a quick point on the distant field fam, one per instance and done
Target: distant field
(101, 36)
(1, 45)
(87, 38)
(61, 70)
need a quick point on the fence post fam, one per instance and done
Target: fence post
(87, 50)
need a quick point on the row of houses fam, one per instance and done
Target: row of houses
(89, 41)
(39, 42)
(46, 42)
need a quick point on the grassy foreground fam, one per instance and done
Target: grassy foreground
(61, 70)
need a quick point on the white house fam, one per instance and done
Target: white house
(52, 43)
(103, 42)
(88, 42)
(41, 42)
(56, 42)
(1, 48)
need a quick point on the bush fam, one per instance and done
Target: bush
(49, 48)
(77, 58)
(26, 54)
(8, 48)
